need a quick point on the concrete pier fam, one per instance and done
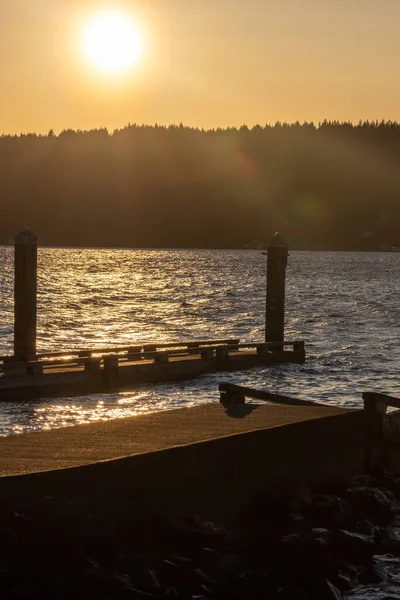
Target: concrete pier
(209, 458)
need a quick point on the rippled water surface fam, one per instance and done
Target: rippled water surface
(344, 305)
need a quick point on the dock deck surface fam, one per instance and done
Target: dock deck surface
(104, 441)
(99, 371)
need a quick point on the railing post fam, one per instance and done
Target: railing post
(232, 398)
(110, 372)
(276, 276)
(375, 410)
(25, 293)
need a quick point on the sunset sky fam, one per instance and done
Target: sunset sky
(206, 63)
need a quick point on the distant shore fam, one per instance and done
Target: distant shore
(9, 243)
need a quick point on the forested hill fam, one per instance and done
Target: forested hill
(332, 186)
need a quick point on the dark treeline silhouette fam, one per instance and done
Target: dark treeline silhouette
(331, 186)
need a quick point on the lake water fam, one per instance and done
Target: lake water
(346, 306)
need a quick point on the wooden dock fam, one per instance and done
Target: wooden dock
(28, 375)
(110, 369)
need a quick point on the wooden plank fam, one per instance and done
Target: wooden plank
(179, 345)
(268, 344)
(86, 353)
(231, 388)
(135, 356)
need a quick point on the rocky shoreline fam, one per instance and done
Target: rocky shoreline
(342, 542)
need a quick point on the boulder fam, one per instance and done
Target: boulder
(380, 506)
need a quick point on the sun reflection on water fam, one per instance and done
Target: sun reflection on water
(344, 305)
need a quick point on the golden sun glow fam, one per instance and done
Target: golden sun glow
(112, 42)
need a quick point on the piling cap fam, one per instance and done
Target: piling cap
(26, 236)
(278, 241)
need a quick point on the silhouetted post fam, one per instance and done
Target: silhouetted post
(375, 407)
(111, 372)
(276, 275)
(25, 291)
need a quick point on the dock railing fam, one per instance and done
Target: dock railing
(138, 349)
(375, 408)
(94, 359)
(377, 422)
(237, 394)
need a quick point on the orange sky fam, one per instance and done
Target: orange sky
(206, 63)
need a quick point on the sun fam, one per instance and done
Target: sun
(112, 42)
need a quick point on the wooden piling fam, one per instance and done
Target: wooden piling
(232, 398)
(207, 353)
(110, 372)
(25, 293)
(276, 276)
(161, 358)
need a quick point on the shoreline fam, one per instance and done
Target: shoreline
(321, 544)
(205, 249)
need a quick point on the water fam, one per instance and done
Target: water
(344, 305)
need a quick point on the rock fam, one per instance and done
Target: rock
(344, 582)
(325, 502)
(20, 524)
(210, 554)
(305, 497)
(230, 564)
(99, 540)
(392, 483)
(372, 575)
(204, 576)
(355, 546)
(6, 583)
(9, 541)
(290, 593)
(100, 583)
(347, 576)
(251, 585)
(168, 573)
(330, 512)
(332, 593)
(364, 527)
(389, 537)
(300, 526)
(325, 590)
(50, 508)
(320, 533)
(125, 594)
(146, 579)
(364, 480)
(378, 505)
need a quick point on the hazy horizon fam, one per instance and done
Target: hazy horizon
(206, 65)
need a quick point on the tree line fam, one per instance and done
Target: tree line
(332, 185)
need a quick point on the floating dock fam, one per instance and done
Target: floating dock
(105, 370)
